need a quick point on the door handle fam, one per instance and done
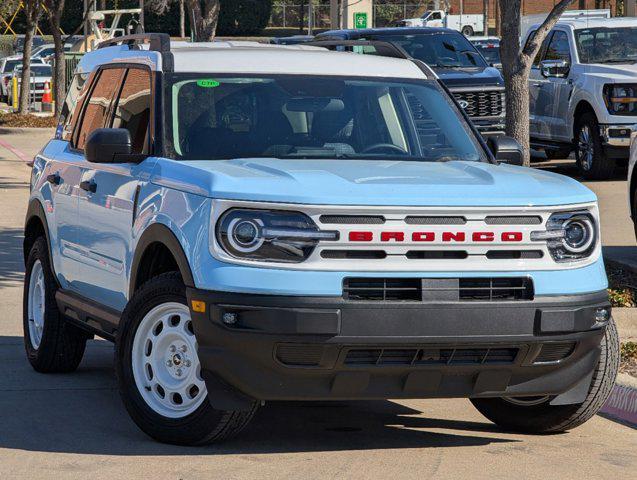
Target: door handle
(89, 186)
(53, 178)
(536, 84)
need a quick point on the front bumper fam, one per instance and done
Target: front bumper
(616, 135)
(489, 126)
(327, 348)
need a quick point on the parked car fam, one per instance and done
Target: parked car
(478, 87)
(7, 65)
(467, 24)
(489, 47)
(18, 43)
(583, 93)
(40, 76)
(44, 52)
(290, 223)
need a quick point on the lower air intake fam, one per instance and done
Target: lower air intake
(430, 356)
(554, 352)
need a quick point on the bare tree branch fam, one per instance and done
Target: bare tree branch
(531, 49)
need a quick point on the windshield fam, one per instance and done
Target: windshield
(490, 51)
(443, 50)
(37, 70)
(607, 45)
(293, 116)
(10, 65)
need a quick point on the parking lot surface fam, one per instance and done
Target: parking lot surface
(75, 426)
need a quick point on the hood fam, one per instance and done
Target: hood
(617, 72)
(470, 76)
(366, 182)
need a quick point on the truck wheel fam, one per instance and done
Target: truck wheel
(467, 31)
(51, 343)
(591, 159)
(557, 154)
(158, 369)
(536, 415)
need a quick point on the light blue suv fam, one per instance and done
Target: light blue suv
(256, 222)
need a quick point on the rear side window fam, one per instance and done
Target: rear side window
(72, 104)
(98, 103)
(133, 108)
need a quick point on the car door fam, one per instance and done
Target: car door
(107, 206)
(539, 98)
(93, 114)
(558, 88)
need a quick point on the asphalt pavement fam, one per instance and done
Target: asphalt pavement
(75, 426)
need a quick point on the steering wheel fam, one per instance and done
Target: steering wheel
(385, 146)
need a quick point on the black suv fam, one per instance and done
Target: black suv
(478, 87)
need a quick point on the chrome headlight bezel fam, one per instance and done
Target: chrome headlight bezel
(562, 231)
(264, 235)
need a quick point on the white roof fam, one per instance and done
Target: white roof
(584, 22)
(260, 58)
(253, 58)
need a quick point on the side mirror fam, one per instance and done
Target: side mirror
(506, 150)
(108, 145)
(555, 68)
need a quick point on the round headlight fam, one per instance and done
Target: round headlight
(579, 234)
(245, 235)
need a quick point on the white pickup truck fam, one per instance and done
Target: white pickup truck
(583, 92)
(467, 24)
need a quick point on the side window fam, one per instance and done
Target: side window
(435, 16)
(99, 103)
(540, 52)
(133, 108)
(558, 47)
(73, 104)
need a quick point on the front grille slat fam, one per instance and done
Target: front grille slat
(438, 289)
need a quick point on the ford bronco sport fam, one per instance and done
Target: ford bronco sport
(254, 222)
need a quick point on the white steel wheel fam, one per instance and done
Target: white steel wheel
(165, 363)
(36, 302)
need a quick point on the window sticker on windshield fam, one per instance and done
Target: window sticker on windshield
(208, 83)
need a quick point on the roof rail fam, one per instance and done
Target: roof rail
(158, 42)
(384, 49)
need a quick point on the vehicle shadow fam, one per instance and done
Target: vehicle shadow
(569, 168)
(82, 413)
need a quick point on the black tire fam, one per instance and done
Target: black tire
(204, 425)
(61, 346)
(545, 418)
(467, 31)
(599, 167)
(557, 154)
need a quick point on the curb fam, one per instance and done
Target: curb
(622, 403)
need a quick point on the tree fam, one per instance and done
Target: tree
(204, 15)
(516, 65)
(55, 9)
(32, 10)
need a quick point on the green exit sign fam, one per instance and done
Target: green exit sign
(360, 20)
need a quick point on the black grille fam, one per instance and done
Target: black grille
(432, 220)
(482, 103)
(430, 356)
(382, 289)
(436, 254)
(513, 220)
(299, 355)
(353, 219)
(555, 351)
(493, 289)
(438, 289)
(354, 254)
(513, 254)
